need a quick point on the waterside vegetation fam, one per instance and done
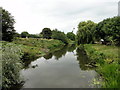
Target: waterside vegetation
(18, 48)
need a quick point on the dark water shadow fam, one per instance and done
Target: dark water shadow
(83, 59)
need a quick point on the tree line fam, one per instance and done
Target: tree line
(88, 31)
(108, 30)
(9, 33)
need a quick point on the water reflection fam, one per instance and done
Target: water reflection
(65, 68)
(83, 59)
(59, 53)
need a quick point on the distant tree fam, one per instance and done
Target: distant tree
(47, 33)
(24, 34)
(8, 30)
(59, 36)
(17, 34)
(34, 36)
(85, 33)
(71, 36)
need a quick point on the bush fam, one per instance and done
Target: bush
(11, 65)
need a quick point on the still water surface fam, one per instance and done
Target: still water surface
(64, 68)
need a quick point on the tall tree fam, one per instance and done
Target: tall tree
(8, 30)
(47, 33)
(85, 33)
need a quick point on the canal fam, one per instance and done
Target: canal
(64, 68)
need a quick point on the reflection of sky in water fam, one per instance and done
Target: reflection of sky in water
(62, 73)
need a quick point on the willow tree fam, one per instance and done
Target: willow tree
(85, 33)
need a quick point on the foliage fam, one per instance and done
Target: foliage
(59, 36)
(17, 35)
(108, 66)
(7, 25)
(47, 33)
(109, 30)
(71, 36)
(11, 64)
(35, 47)
(24, 34)
(34, 36)
(85, 33)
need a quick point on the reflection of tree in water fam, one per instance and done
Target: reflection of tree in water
(82, 58)
(68, 48)
(27, 59)
(58, 54)
(48, 56)
(71, 48)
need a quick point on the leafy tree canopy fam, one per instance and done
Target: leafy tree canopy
(47, 33)
(59, 36)
(109, 30)
(8, 30)
(85, 33)
(24, 34)
(71, 36)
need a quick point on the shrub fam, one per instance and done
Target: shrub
(11, 65)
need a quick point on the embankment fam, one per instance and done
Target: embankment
(105, 59)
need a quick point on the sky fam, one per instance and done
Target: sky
(34, 15)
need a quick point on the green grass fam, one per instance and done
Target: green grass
(111, 52)
(34, 48)
(106, 58)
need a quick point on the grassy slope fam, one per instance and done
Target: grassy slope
(37, 47)
(107, 61)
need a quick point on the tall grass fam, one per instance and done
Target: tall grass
(106, 58)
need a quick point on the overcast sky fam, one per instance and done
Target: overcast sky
(34, 15)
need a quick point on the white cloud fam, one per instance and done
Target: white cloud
(34, 15)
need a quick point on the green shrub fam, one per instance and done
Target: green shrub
(11, 65)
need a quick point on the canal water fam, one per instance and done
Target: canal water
(65, 68)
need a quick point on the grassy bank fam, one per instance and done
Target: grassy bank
(105, 58)
(15, 53)
(34, 48)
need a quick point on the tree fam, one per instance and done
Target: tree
(71, 36)
(47, 33)
(8, 31)
(85, 33)
(59, 36)
(34, 36)
(17, 35)
(24, 34)
(109, 30)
